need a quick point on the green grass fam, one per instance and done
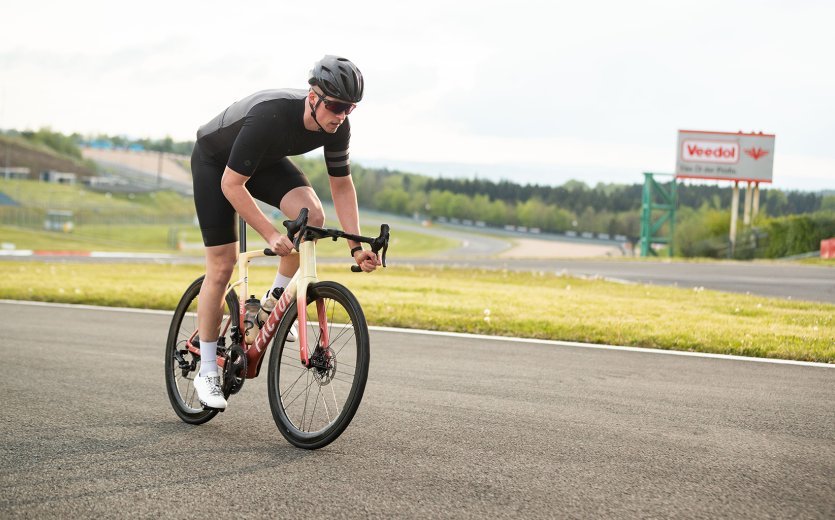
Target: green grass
(826, 262)
(91, 238)
(77, 198)
(534, 305)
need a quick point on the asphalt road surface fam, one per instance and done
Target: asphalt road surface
(449, 427)
(782, 280)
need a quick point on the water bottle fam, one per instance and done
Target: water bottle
(268, 304)
(251, 308)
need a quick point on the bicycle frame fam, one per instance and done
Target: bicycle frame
(296, 289)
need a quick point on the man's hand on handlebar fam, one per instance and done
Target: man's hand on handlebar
(367, 260)
(280, 244)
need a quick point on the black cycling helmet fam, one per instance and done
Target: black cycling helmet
(338, 78)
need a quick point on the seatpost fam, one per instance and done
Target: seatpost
(242, 234)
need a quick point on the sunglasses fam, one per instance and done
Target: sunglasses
(338, 107)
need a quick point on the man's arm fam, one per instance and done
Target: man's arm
(345, 202)
(233, 188)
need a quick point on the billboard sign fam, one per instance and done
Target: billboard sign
(725, 156)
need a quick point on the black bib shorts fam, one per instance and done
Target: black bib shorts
(215, 213)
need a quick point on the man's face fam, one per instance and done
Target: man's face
(331, 112)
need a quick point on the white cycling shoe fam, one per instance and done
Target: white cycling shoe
(209, 392)
(293, 333)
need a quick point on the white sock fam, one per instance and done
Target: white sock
(208, 358)
(280, 281)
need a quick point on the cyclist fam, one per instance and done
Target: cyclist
(242, 154)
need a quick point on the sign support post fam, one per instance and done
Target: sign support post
(746, 211)
(649, 229)
(734, 218)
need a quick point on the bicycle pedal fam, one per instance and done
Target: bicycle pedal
(209, 409)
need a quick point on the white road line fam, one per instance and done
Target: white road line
(475, 336)
(602, 347)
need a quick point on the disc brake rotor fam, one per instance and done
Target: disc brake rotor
(323, 364)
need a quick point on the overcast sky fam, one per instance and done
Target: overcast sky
(529, 91)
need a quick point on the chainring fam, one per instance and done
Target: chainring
(234, 370)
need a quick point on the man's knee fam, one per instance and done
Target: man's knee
(316, 215)
(220, 273)
(220, 263)
(303, 197)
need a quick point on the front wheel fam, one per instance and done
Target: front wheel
(313, 406)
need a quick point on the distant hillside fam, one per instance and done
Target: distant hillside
(144, 169)
(18, 152)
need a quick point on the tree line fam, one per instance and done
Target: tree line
(614, 209)
(576, 196)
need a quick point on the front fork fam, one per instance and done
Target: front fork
(307, 266)
(324, 340)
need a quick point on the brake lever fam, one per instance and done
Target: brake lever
(381, 242)
(384, 230)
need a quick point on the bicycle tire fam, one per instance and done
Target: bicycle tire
(349, 351)
(179, 381)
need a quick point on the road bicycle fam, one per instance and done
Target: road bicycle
(315, 384)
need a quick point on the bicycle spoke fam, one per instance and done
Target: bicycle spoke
(306, 399)
(344, 381)
(313, 412)
(345, 344)
(287, 391)
(335, 402)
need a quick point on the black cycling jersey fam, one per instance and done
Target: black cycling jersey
(253, 137)
(267, 126)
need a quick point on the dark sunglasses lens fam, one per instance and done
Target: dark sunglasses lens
(338, 108)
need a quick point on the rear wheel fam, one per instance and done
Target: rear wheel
(181, 366)
(313, 406)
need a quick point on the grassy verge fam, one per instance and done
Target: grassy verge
(535, 305)
(827, 262)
